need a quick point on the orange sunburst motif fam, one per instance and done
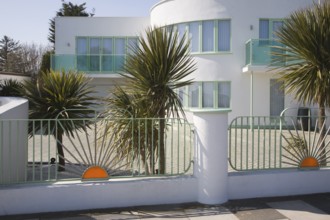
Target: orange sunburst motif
(305, 149)
(95, 172)
(309, 162)
(92, 153)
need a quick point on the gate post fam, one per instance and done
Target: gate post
(211, 165)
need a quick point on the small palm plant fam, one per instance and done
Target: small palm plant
(62, 96)
(10, 87)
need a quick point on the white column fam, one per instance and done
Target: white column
(211, 166)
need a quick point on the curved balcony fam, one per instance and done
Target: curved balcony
(259, 54)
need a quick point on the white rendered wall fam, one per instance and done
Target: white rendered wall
(277, 183)
(244, 15)
(97, 195)
(13, 139)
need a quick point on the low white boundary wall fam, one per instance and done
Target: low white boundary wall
(96, 195)
(278, 183)
(211, 183)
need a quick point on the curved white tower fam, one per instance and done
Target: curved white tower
(230, 40)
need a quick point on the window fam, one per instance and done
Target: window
(224, 95)
(276, 97)
(132, 43)
(181, 28)
(193, 95)
(99, 54)
(206, 95)
(194, 36)
(208, 36)
(107, 46)
(107, 51)
(223, 35)
(268, 28)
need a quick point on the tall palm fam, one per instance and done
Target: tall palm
(59, 95)
(68, 9)
(155, 69)
(306, 39)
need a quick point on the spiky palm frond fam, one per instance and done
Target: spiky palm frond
(305, 37)
(10, 87)
(134, 132)
(157, 67)
(62, 96)
(59, 95)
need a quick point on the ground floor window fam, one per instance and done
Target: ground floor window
(276, 97)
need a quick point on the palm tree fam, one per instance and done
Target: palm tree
(58, 95)
(68, 9)
(155, 69)
(306, 39)
(132, 127)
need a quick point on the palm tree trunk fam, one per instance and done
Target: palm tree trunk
(162, 146)
(322, 131)
(60, 152)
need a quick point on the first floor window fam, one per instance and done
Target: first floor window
(224, 35)
(99, 54)
(208, 36)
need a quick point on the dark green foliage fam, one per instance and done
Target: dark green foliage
(45, 62)
(59, 95)
(306, 39)
(8, 55)
(68, 9)
(160, 64)
(10, 87)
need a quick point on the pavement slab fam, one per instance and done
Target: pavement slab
(310, 207)
(299, 210)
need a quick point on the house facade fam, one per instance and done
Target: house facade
(230, 41)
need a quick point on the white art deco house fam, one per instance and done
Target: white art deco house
(230, 41)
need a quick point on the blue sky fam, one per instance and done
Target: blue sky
(28, 20)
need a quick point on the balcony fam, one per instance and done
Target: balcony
(258, 55)
(91, 64)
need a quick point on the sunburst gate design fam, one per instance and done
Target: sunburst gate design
(305, 148)
(91, 153)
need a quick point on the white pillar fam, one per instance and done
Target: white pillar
(211, 166)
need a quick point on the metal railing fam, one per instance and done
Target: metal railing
(263, 143)
(97, 63)
(258, 52)
(123, 147)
